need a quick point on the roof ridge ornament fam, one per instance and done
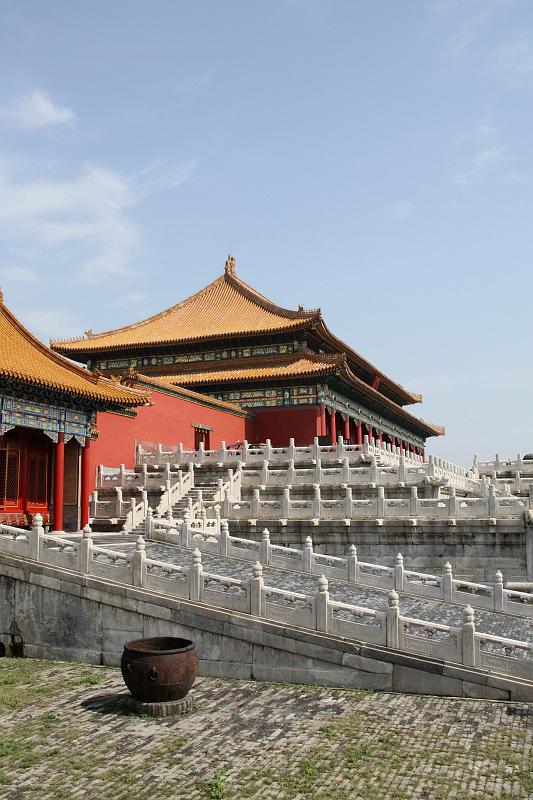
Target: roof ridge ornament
(1, 296)
(229, 266)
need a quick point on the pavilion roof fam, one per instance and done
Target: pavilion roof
(226, 308)
(24, 358)
(304, 366)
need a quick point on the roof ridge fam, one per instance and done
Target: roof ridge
(134, 325)
(261, 299)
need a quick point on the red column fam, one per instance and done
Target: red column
(333, 426)
(59, 481)
(400, 444)
(359, 432)
(347, 430)
(85, 487)
(370, 434)
(322, 420)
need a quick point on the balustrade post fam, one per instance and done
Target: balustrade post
(201, 448)
(224, 538)
(122, 475)
(229, 493)
(35, 541)
(469, 637)
(144, 475)
(345, 471)
(413, 502)
(169, 516)
(308, 555)
(393, 620)
(244, 451)
(149, 524)
(318, 470)
(373, 470)
(402, 470)
(191, 473)
(196, 577)
(158, 454)
(493, 500)
(316, 501)
(139, 455)
(380, 510)
(291, 472)
(366, 445)
(339, 447)
(85, 551)
(166, 472)
(348, 502)
(93, 503)
(222, 452)
(286, 503)
(452, 503)
(226, 504)
(321, 601)
(185, 538)
(255, 504)
(139, 563)
(351, 564)
(268, 450)
(179, 452)
(266, 547)
(291, 450)
(118, 501)
(256, 591)
(447, 583)
(217, 520)
(315, 450)
(264, 473)
(398, 573)
(100, 478)
(498, 592)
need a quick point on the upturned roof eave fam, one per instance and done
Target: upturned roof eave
(324, 332)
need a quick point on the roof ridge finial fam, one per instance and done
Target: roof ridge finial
(1, 296)
(229, 266)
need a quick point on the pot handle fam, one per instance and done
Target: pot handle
(153, 674)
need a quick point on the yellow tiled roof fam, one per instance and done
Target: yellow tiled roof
(293, 367)
(227, 307)
(25, 358)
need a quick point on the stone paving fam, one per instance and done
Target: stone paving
(65, 734)
(368, 597)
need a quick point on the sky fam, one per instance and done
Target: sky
(371, 159)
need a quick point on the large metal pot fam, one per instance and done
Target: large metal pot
(160, 669)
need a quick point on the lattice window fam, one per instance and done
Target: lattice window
(9, 477)
(38, 468)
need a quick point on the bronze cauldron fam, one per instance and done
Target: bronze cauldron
(159, 670)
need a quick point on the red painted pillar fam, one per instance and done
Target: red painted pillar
(359, 432)
(370, 434)
(59, 482)
(85, 487)
(321, 420)
(333, 426)
(400, 444)
(347, 429)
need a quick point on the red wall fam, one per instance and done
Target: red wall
(167, 421)
(279, 424)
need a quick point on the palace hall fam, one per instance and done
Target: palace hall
(231, 344)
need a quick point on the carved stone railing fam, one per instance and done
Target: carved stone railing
(253, 454)
(378, 508)
(385, 627)
(212, 536)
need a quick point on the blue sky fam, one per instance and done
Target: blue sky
(373, 159)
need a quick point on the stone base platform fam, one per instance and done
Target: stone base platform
(172, 708)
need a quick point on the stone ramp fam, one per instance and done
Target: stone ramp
(490, 622)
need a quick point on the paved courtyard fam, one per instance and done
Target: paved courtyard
(65, 733)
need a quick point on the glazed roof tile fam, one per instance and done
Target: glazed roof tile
(24, 358)
(227, 307)
(289, 367)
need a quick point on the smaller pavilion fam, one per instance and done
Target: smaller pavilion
(48, 409)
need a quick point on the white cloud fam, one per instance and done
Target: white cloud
(462, 24)
(403, 210)
(515, 59)
(479, 154)
(19, 274)
(36, 110)
(135, 297)
(80, 223)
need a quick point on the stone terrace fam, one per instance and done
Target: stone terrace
(66, 735)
